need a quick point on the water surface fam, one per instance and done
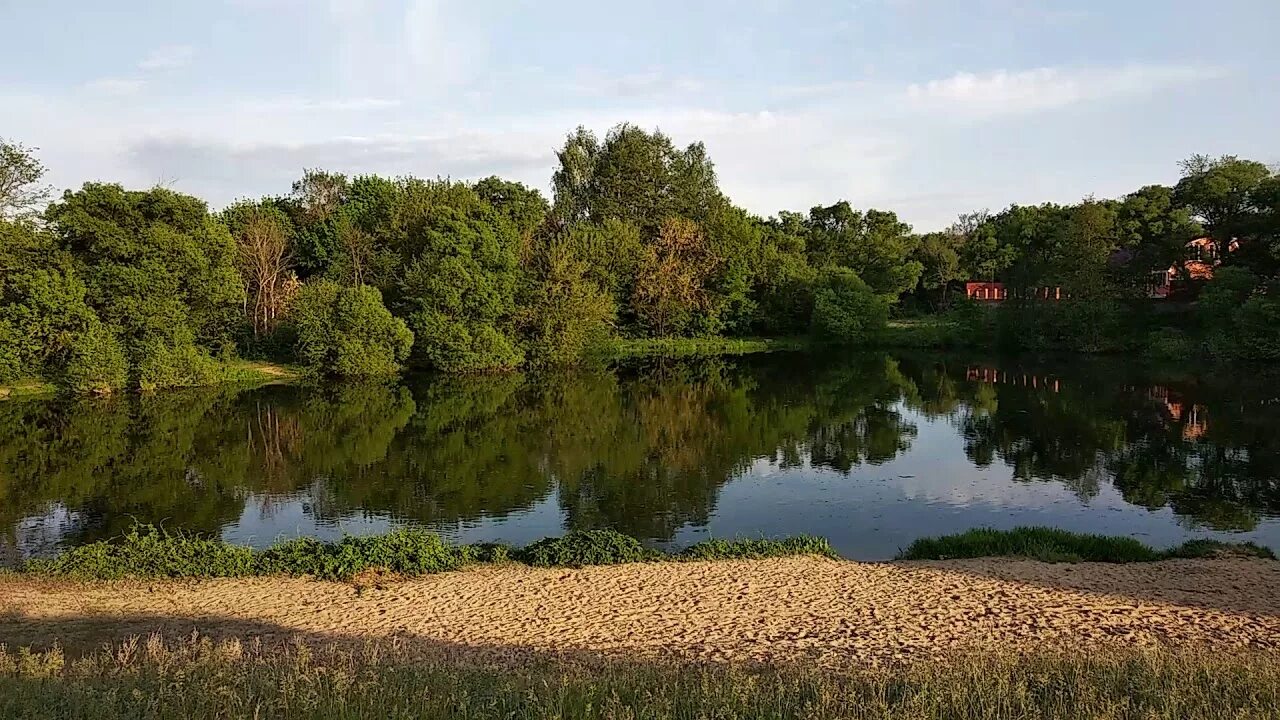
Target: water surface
(869, 450)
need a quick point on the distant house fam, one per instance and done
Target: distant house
(997, 292)
(1202, 259)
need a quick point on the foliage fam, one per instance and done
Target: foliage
(457, 287)
(1237, 322)
(758, 548)
(348, 331)
(192, 679)
(585, 547)
(405, 552)
(671, 286)
(150, 552)
(20, 175)
(1053, 545)
(846, 310)
(566, 314)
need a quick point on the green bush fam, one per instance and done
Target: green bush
(146, 551)
(846, 310)
(162, 366)
(1052, 545)
(758, 548)
(406, 552)
(585, 547)
(347, 331)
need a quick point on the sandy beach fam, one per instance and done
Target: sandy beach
(806, 609)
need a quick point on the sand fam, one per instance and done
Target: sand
(806, 609)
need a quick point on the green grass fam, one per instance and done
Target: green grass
(148, 552)
(1052, 545)
(758, 548)
(198, 679)
(696, 347)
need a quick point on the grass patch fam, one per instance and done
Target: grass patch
(586, 547)
(758, 548)
(619, 349)
(1052, 545)
(149, 552)
(198, 679)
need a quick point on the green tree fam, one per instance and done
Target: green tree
(1153, 231)
(564, 312)
(1220, 194)
(160, 272)
(939, 258)
(457, 287)
(347, 331)
(846, 310)
(20, 173)
(875, 245)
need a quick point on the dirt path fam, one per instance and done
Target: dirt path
(833, 612)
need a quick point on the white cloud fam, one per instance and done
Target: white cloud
(1005, 93)
(170, 57)
(115, 86)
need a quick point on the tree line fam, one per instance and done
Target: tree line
(106, 288)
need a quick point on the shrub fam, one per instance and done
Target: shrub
(846, 310)
(585, 547)
(758, 548)
(347, 331)
(149, 552)
(1047, 544)
(161, 366)
(405, 552)
(1052, 545)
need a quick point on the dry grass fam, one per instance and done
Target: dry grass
(201, 679)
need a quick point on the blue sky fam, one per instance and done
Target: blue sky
(926, 107)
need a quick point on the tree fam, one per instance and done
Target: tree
(784, 280)
(876, 246)
(564, 313)
(671, 284)
(20, 174)
(160, 272)
(982, 257)
(1153, 231)
(348, 332)
(261, 232)
(571, 182)
(1219, 193)
(939, 260)
(46, 328)
(846, 310)
(457, 286)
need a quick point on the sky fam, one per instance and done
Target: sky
(930, 108)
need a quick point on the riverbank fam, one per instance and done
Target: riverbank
(250, 373)
(818, 611)
(800, 636)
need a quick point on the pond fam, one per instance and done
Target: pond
(868, 450)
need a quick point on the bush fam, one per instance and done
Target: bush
(585, 547)
(347, 331)
(1081, 325)
(149, 552)
(162, 366)
(846, 310)
(1052, 545)
(759, 548)
(405, 552)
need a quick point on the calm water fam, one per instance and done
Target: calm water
(870, 451)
